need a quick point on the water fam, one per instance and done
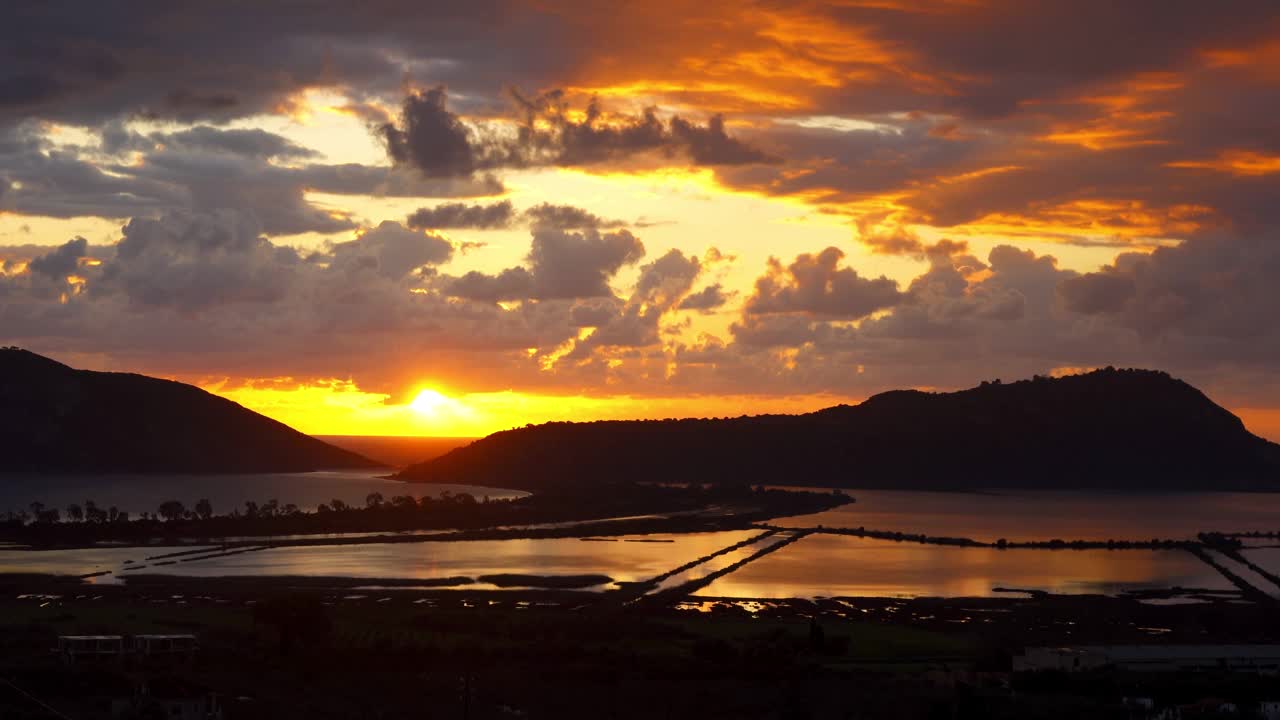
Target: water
(1267, 558)
(80, 562)
(719, 562)
(1034, 515)
(833, 565)
(622, 559)
(816, 565)
(136, 494)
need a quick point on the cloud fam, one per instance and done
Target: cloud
(1201, 297)
(61, 261)
(567, 217)
(204, 170)
(1094, 293)
(460, 215)
(708, 299)
(660, 287)
(436, 141)
(392, 250)
(511, 284)
(190, 262)
(814, 285)
(561, 265)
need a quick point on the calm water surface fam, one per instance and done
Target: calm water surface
(623, 559)
(1028, 515)
(834, 565)
(144, 493)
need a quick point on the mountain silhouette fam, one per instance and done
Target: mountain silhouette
(54, 418)
(1108, 429)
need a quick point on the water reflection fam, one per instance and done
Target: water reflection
(82, 561)
(620, 560)
(1027, 515)
(832, 565)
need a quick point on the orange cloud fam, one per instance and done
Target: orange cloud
(1235, 162)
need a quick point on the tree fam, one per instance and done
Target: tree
(93, 513)
(338, 505)
(75, 513)
(204, 508)
(171, 510)
(373, 500)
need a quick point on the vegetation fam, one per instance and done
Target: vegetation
(1113, 429)
(650, 508)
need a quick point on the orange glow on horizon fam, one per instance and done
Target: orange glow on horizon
(339, 407)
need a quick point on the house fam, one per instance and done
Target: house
(76, 648)
(80, 648)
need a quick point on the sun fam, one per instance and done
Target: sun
(429, 402)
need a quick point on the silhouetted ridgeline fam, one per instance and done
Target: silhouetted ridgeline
(1114, 429)
(57, 419)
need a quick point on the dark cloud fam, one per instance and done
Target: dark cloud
(204, 170)
(660, 287)
(815, 285)
(62, 261)
(460, 215)
(579, 264)
(511, 284)
(190, 262)
(213, 62)
(391, 250)
(436, 141)
(1208, 291)
(1102, 292)
(567, 217)
(560, 265)
(709, 298)
(251, 142)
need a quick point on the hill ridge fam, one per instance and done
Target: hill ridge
(55, 418)
(1126, 429)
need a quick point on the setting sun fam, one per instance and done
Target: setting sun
(430, 402)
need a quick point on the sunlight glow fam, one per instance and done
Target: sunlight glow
(429, 402)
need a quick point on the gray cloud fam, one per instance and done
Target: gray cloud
(392, 250)
(561, 265)
(436, 141)
(461, 215)
(709, 298)
(62, 261)
(567, 217)
(190, 262)
(815, 285)
(204, 170)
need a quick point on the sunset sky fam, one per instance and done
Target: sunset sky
(396, 217)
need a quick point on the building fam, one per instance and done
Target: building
(75, 648)
(80, 648)
(1263, 659)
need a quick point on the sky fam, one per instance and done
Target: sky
(429, 218)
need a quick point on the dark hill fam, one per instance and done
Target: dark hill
(1114, 429)
(57, 419)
